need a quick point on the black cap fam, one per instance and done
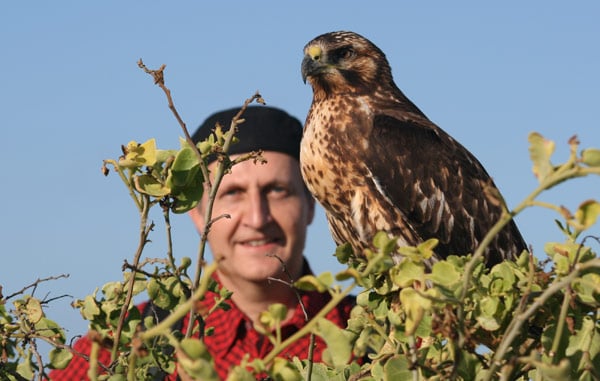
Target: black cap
(265, 128)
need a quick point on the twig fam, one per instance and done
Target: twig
(167, 217)
(180, 311)
(566, 171)
(46, 301)
(335, 300)
(128, 266)
(38, 360)
(514, 327)
(311, 344)
(35, 284)
(222, 168)
(159, 79)
(126, 180)
(145, 229)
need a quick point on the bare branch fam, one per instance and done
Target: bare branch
(35, 284)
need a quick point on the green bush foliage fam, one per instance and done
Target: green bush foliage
(531, 319)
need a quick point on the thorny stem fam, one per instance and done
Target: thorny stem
(564, 309)
(412, 345)
(38, 359)
(92, 372)
(560, 324)
(68, 347)
(34, 285)
(131, 366)
(143, 239)
(515, 327)
(222, 168)
(335, 300)
(167, 218)
(570, 169)
(165, 324)
(311, 345)
(159, 80)
(125, 179)
(564, 172)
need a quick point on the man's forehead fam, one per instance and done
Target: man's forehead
(270, 164)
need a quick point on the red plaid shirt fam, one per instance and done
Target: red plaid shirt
(234, 336)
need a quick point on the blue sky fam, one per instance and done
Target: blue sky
(72, 94)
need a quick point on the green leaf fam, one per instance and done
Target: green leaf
(310, 283)
(343, 253)
(205, 146)
(161, 292)
(502, 279)
(414, 306)
(591, 157)
(186, 182)
(407, 272)
(583, 340)
(194, 348)
(587, 214)
(488, 307)
(25, 368)
(347, 274)
(326, 278)
(185, 263)
(139, 154)
(139, 285)
(112, 290)
(278, 311)
(163, 155)
(239, 373)
(33, 308)
(195, 359)
(151, 186)
(426, 248)
(445, 274)
(89, 308)
(185, 166)
(384, 242)
(588, 289)
(550, 372)
(540, 151)
(566, 254)
(187, 199)
(339, 343)
(59, 358)
(285, 371)
(185, 160)
(397, 368)
(50, 329)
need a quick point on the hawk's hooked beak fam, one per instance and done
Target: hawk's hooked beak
(312, 62)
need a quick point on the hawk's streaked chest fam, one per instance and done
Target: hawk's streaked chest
(335, 133)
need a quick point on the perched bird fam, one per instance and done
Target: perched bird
(376, 162)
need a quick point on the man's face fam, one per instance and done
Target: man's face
(269, 213)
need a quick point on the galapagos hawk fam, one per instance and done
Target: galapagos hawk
(376, 162)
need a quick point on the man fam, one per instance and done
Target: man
(270, 210)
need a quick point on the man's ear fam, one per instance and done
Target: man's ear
(197, 218)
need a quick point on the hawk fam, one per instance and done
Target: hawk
(377, 163)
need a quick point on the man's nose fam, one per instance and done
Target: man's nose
(258, 211)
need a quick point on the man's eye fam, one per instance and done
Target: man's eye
(230, 192)
(278, 190)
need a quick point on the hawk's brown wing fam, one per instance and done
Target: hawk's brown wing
(438, 186)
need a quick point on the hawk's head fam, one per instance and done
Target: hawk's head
(344, 62)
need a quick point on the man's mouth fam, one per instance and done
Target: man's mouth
(260, 242)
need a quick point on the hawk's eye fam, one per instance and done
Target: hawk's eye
(343, 53)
